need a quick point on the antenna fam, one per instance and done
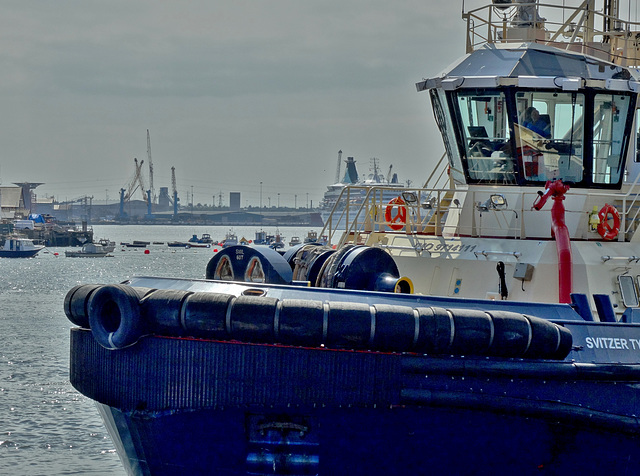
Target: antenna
(153, 192)
(338, 168)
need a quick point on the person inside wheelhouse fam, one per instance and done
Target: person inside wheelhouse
(537, 123)
(527, 137)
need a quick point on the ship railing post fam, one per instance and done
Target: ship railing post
(438, 207)
(474, 224)
(418, 214)
(504, 29)
(490, 36)
(522, 229)
(590, 17)
(469, 33)
(623, 226)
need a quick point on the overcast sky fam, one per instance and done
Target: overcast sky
(234, 93)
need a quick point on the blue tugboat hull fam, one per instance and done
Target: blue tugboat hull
(197, 406)
(414, 441)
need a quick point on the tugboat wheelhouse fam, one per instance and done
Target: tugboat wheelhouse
(489, 135)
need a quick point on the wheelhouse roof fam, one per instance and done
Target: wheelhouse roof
(529, 60)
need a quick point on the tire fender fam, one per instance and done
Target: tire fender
(76, 303)
(115, 317)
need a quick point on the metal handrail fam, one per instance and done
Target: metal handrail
(442, 167)
(488, 24)
(626, 223)
(428, 215)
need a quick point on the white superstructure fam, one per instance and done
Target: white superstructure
(540, 194)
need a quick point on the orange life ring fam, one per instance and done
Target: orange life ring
(400, 218)
(605, 229)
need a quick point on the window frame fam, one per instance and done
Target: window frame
(510, 97)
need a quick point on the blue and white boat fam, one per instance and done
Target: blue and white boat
(19, 247)
(464, 327)
(205, 238)
(230, 239)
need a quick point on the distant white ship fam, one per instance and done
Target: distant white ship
(355, 196)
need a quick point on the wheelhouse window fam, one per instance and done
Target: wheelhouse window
(550, 135)
(609, 121)
(508, 135)
(448, 134)
(486, 136)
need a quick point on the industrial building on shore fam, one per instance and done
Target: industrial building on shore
(20, 200)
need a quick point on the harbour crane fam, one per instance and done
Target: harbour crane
(136, 182)
(151, 189)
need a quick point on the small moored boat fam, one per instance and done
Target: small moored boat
(276, 241)
(312, 236)
(295, 240)
(198, 245)
(107, 245)
(178, 244)
(230, 240)
(205, 238)
(88, 250)
(261, 238)
(19, 247)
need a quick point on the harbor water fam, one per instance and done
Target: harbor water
(46, 426)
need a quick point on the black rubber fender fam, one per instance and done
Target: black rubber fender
(76, 304)
(545, 338)
(162, 308)
(395, 328)
(435, 333)
(119, 315)
(251, 319)
(301, 322)
(512, 333)
(205, 315)
(566, 343)
(473, 332)
(349, 325)
(115, 316)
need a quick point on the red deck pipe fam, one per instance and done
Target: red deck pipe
(560, 232)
